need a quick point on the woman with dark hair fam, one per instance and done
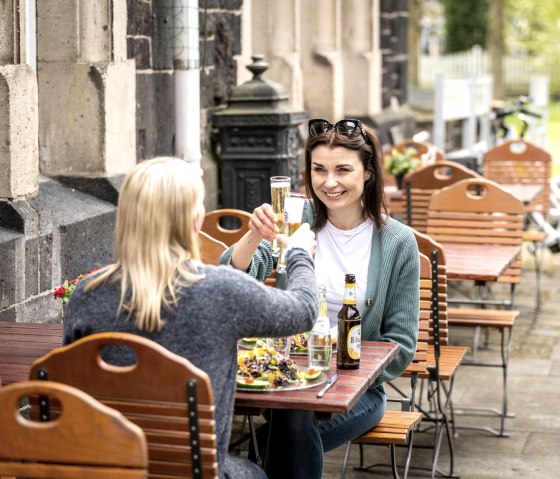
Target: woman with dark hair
(344, 179)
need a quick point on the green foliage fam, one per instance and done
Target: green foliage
(465, 24)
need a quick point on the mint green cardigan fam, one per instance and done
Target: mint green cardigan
(392, 286)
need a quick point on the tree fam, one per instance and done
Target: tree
(414, 27)
(465, 24)
(496, 49)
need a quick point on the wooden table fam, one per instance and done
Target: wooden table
(340, 398)
(21, 344)
(478, 262)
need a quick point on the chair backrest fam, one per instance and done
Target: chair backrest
(426, 245)
(210, 248)
(162, 392)
(422, 183)
(77, 436)
(213, 225)
(478, 211)
(520, 161)
(419, 362)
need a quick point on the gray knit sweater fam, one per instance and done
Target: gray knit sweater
(211, 316)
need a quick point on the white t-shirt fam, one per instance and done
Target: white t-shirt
(340, 252)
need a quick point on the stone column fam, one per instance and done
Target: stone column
(86, 89)
(321, 58)
(272, 28)
(362, 59)
(19, 171)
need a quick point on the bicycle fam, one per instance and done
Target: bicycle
(517, 113)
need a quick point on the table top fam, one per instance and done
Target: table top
(21, 344)
(523, 191)
(341, 397)
(478, 262)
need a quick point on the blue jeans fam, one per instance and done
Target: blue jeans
(296, 440)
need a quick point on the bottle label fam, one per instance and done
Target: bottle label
(322, 326)
(349, 294)
(354, 341)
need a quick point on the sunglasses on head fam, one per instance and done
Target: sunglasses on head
(345, 127)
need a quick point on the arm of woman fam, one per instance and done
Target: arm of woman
(252, 253)
(262, 311)
(401, 315)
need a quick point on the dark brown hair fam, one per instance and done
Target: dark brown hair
(373, 199)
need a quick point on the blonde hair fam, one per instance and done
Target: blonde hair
(156, 242)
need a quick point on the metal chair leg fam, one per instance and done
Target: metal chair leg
(345, 461)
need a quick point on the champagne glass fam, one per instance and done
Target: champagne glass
(293, 213)
(281, 345)
(279, 189)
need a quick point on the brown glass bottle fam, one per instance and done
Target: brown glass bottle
(349, 328)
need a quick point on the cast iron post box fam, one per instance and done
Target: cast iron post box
(258, 137)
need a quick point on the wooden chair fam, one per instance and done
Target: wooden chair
(396, 428)
(76, 437)
(443, 359)
(520, 161)
(479, 211)
(212, 225)
(421, 184)
(210, 248)
(163, 393)
(212, 233)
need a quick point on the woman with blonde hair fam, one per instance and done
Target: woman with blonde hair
(158, 288)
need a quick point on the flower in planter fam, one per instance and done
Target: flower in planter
(65, 290)
(399, 163)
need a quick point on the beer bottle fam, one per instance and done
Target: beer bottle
(349, 328)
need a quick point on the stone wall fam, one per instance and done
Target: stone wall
(149, 42)
(65, 227)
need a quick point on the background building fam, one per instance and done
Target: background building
(87, 89)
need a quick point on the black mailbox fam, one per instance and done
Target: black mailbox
(258, 137)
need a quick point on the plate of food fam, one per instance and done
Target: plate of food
(250, 343)
(262, 369)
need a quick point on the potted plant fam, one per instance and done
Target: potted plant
(399, 163)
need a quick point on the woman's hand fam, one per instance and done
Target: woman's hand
(263, 222)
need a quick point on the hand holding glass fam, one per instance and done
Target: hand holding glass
(293, 213)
